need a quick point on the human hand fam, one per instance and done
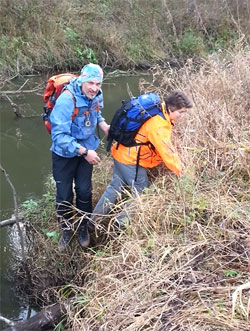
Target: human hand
(92, 157)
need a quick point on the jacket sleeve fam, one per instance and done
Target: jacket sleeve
(61, 122)
(159, 134)
(100, 118)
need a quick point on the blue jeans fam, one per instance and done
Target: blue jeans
(123, 176)
(67, 171)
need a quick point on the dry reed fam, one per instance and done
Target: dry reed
(183, 262)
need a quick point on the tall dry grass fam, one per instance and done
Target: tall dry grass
(184, 261)
(188, 247)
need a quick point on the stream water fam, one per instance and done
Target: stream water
(26, 158)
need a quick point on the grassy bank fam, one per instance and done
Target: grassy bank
(187, 248)
(41, 36)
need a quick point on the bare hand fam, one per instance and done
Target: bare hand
(92, 157)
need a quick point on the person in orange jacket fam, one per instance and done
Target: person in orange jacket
(126, 171)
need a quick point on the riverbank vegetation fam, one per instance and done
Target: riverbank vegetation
(41, 36)
(183, 262)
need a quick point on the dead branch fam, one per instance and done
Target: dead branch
(20, 88)
(7, 80)
(7, 321)
(20, 91)
(14, 106)
(18, 225)
(9, 221)
(43, 320)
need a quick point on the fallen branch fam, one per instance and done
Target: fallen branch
(14, 106)
(238, 293)
(7, 321)
(12, 220)
(19, 91)
(20, 88)
(24, 259)
(44, 320)
(9, 221)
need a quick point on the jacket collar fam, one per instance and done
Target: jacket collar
(165, 113)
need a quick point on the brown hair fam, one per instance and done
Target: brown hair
(177, 100)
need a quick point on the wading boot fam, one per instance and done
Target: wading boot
(65, 240)
(83, 236)
(121, 224)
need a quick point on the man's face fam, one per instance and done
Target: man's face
(176, 114)
(91, 88)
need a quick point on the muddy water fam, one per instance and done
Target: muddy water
(26, 157)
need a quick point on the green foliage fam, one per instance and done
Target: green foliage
(186, 187)
(30, 206)
(191, 216)
(89, 54)
(100, 252)
(73, 40)
(224, 39)
(29, 209)
(53, 235)
(41, 210)
(191, 43)
(59, 326)
(10, 52)
(149, 245)
(83, 53)
(136, 50)
(66, 291)
(232, 273)
(221, 305)
(71, 36)
(81, 300)
(104, 7)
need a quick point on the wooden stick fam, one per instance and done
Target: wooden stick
(45, 319)
(9, 221)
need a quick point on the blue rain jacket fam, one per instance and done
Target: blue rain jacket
(69, 135)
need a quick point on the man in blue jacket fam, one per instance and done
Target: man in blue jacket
(74, 145)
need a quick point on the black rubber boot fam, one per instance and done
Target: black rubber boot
(83, 236)
(65, 240)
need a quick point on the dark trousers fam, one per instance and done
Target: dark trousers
(67, 171)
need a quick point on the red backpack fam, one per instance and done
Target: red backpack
(54, 87)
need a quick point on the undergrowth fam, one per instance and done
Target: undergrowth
(186, 250)
(41, 36)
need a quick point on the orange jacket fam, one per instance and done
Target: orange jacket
(158, 131)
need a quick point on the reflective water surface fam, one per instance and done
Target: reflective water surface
(26, 158)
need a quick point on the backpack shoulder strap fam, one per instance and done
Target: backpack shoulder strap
(76, 109)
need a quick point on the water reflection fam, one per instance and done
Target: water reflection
(11, 306)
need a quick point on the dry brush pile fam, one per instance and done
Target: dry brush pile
(183, 263)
